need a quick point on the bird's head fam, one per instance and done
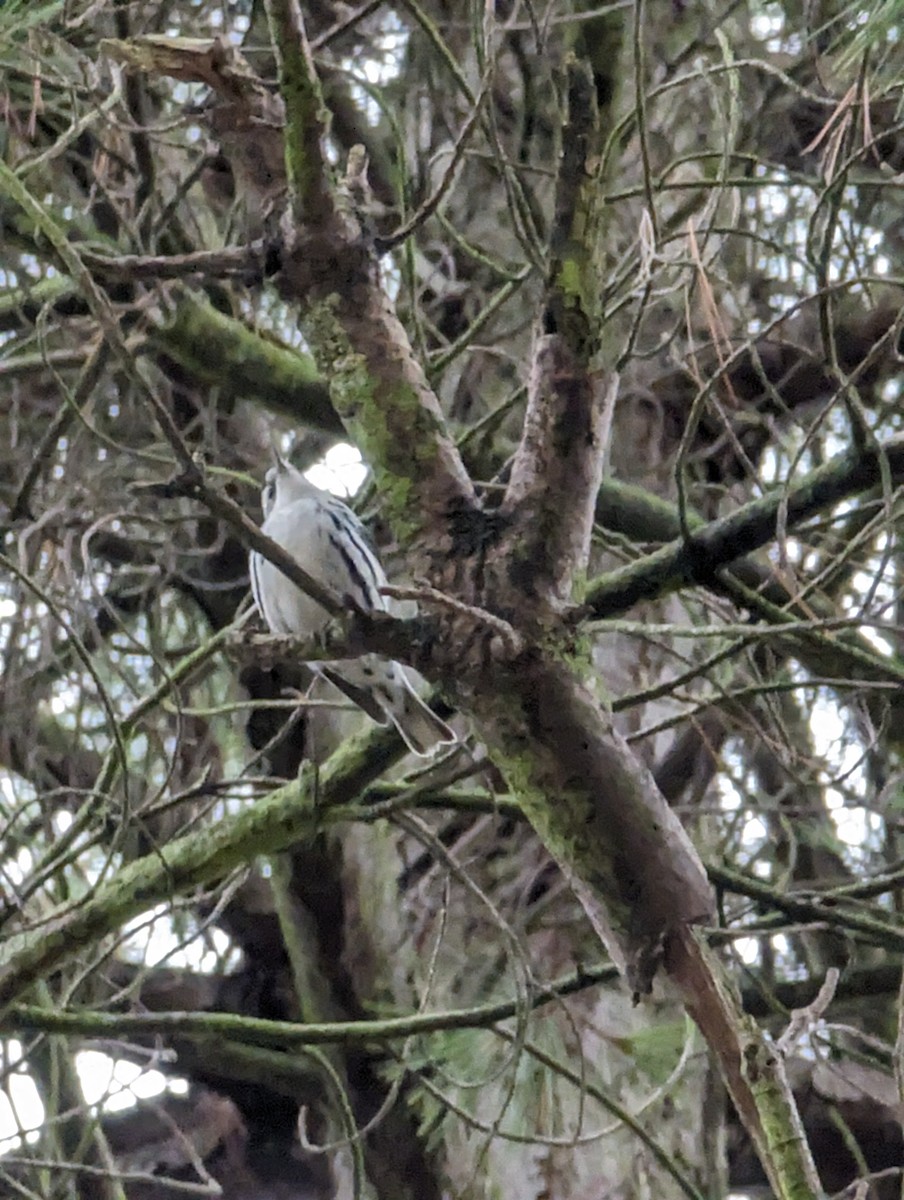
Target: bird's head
(283, 483)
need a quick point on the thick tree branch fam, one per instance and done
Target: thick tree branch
(845, 655)
(223, 352)
(753, 1069)
(596, 808)
(307, 165)
(376, 383)
(558, 465)
(287, 815)
(698, 559)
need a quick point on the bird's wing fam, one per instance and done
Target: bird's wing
(358, 695)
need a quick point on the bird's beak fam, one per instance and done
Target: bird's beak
(278, 461)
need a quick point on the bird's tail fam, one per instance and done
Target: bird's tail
(420, 728)
(383, 690)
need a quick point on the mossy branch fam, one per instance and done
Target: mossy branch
(699, 558)
(307, 167)
(287, 815)
(558, 465)
(847, 654)
(752, 1068)
(224, 352)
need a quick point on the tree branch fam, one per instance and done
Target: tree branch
(289, 814)
(697, 560)
(753, 1069)
(596, 808)
(754, 586)
(558, 465)
(224, 352)
(376, 383)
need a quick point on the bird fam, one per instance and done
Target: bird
(327, 539)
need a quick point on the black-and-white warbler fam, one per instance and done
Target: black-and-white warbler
(329, 541)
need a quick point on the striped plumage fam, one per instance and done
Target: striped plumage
(329, 541)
